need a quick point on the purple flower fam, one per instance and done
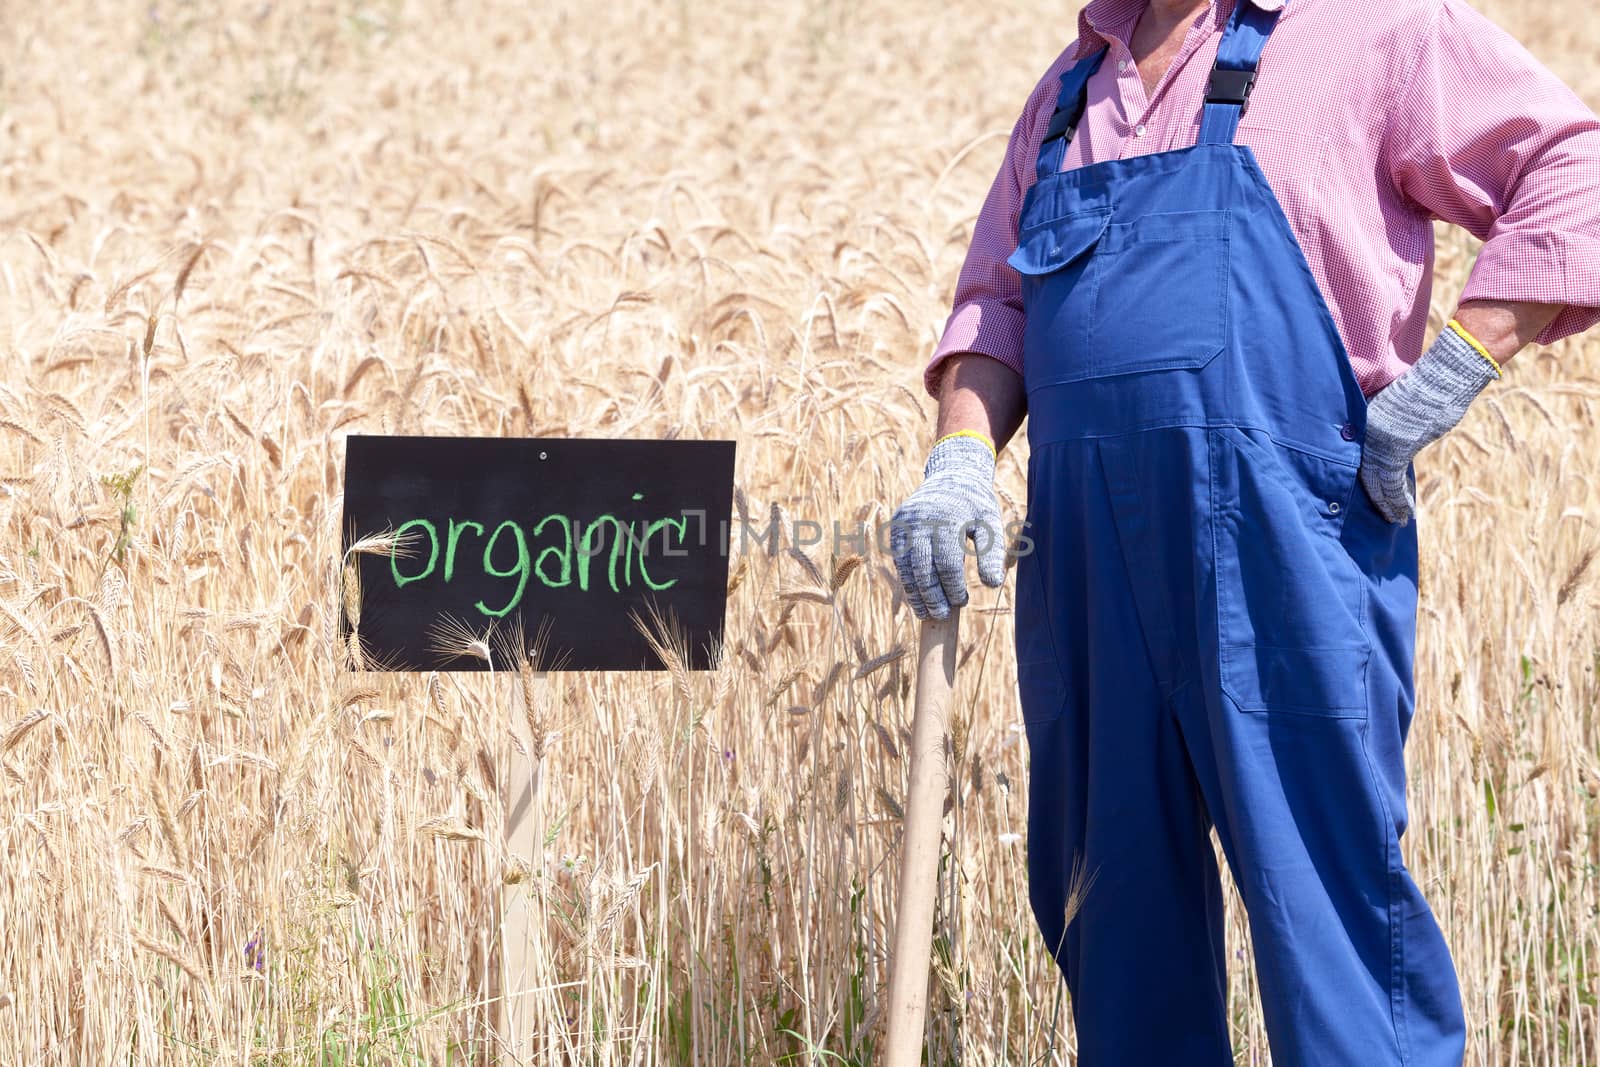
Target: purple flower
(255, 952)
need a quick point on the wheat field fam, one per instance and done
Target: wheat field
(232, 234)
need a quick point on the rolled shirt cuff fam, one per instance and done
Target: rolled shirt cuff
(987, 327)
(1542, 267)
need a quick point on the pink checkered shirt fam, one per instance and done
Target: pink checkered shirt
(1371, 118)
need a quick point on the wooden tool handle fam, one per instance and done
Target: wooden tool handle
(919, 850)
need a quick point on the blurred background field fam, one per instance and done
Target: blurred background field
(232, 234)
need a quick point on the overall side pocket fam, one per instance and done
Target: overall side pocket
(1291, 604)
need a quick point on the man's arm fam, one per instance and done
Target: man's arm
(1506, 327)
(980, 394)
(986, 318)
(1485, 137)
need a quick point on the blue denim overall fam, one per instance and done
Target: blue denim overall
(1216, 626)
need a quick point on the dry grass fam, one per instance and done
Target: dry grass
(227, 239)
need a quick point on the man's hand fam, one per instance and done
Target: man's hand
(928, 533)
(1415, 410)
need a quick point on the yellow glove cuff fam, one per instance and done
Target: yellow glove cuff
(970, 433)
(1477, 344)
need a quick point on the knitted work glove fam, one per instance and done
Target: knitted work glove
(1416, 409)
(929, 533)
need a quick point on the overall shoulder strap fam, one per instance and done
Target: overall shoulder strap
(1234, 76)
(1070, 104)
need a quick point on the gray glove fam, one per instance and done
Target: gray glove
(1416, 409)
(929, 533)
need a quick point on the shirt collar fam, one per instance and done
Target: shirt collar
(1103, 20)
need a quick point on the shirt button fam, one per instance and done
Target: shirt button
(1348, 431)
(1139, 132)
(1122, 64)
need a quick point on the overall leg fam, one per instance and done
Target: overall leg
(1297, 732)
(1116, 827)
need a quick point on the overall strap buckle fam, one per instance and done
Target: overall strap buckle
(1071, 103)
(1231, 87)
(1234, 75)
(1064, 121)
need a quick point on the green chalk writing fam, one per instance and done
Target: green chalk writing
(587, 551)
(682, 526)
(401, 580)
(562, 553)
(519, 572)
(456, 529)
(554, 551)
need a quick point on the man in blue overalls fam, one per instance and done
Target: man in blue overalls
(1215, 629)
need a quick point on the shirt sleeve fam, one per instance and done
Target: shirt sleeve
(987, 316)
(1487, 138)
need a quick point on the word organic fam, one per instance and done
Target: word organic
(555, 550)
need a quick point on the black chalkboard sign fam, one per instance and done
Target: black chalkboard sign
(560, 542)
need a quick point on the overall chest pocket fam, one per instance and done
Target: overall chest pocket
(1059, 276)
(1105, 298)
